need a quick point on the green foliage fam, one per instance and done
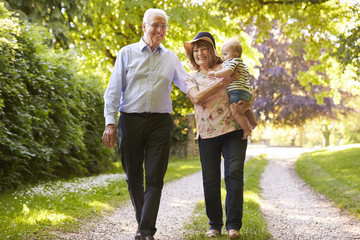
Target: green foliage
(49, 115)
(181, 106)
(318, 27)
(56, 15)
(334, 173)
(348, 52)
(98, 29)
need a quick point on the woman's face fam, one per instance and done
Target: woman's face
(201, 55)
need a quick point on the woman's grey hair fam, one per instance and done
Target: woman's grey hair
(155, 11)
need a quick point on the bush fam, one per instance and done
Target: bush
(51, 118)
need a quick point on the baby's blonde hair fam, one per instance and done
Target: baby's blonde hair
(235, 45)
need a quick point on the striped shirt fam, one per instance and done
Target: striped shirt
(238, 66)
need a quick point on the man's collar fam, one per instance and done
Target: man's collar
(143, 44)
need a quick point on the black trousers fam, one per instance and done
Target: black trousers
(233, 148)
(145, 141)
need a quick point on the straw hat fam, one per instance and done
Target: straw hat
(201, 36)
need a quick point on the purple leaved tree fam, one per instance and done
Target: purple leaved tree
(280, 98)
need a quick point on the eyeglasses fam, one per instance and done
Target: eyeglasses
(156, 25)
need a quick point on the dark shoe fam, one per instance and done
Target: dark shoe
(147, 237)
(137, 235)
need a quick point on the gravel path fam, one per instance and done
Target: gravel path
(291, 208)
(178, 202)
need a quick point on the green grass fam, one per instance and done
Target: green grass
(179, 168)
(254, 226)
(334, 173)
(34, 212)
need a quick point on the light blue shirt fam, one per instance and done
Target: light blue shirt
(141, 81)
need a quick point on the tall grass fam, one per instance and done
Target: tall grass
(254, 225)
(334, 172)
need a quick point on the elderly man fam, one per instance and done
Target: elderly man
(139, 89)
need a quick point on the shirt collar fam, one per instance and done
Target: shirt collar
(142, 44)
(235, 58)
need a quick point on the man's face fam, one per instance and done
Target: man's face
(155, 30)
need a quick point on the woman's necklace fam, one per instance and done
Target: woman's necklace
(203, 71)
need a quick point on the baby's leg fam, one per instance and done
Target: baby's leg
(251, 117)
(242, 120)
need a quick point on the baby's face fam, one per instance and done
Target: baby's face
(227, 52)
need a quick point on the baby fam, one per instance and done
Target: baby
(239, 89)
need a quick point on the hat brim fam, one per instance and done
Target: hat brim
(187, 45)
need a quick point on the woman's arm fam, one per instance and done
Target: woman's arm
(196, 96)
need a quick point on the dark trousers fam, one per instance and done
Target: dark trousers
(233, 149)
(145, 141)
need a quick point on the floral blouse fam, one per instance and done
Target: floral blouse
(213, 117)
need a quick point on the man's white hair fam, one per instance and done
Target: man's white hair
(155, 11)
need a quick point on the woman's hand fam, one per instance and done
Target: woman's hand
(211, 74)
(109, 135)
(242, 106)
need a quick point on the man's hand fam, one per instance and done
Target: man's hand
(109, 135)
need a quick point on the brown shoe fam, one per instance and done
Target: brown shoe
(234, 234)
(147, 237)
(212, 233)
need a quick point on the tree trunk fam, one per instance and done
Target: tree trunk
(191, 147)
(301, 136)
(326, 134)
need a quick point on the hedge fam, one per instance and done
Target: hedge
(51, 118)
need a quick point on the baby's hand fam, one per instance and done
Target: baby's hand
(211, 73)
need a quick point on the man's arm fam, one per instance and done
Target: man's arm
(180, 75)
(112, 97)
(113, 91)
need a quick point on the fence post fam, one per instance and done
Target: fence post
(190, 146)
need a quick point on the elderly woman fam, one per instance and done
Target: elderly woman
(218, 135)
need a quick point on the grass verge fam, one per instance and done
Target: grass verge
(35, 212)
(254, 226)
(334, 172)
